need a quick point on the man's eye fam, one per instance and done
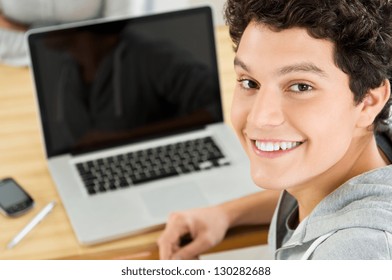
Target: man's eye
(300, 87)
(248, 84)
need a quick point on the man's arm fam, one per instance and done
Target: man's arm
(11, 25)
(253, 209)
(208, 226)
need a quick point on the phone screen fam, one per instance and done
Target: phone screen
(13, 199)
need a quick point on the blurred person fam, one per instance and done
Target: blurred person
(16, 17)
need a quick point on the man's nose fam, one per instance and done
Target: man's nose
(267, 110)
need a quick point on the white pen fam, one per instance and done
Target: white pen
(32, 224)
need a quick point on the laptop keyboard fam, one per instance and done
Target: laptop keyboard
(135, 168)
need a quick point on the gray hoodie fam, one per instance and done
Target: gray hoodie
(353, 222)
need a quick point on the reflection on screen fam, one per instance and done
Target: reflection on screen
(113, 83)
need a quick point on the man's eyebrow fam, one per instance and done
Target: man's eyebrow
(299, 67)
(240, 63)
(302, 67)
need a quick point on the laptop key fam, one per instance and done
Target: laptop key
(91, 191)
(145, 179)
(206, 165)
(123, 183)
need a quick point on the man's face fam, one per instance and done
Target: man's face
(293, 109)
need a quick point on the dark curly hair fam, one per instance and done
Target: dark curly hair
(361, 31)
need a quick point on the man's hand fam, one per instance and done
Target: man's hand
(206, 227)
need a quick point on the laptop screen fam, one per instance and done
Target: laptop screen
(107, 83)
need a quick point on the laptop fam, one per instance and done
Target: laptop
(132, 121)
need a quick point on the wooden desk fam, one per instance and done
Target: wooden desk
(22, 157)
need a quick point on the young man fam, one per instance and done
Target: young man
(313, 90)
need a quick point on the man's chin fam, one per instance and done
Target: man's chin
(268, 183)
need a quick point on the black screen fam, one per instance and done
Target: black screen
(11, 194)
(109, 83)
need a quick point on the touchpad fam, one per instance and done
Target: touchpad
(162, 201)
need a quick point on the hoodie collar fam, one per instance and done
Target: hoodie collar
(363, 201)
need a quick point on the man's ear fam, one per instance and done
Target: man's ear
(373, 103)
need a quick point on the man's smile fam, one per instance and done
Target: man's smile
(274, 148)
(271, 146)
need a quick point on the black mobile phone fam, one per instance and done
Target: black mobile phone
(14, 200)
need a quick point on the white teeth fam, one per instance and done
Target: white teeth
(276, 146)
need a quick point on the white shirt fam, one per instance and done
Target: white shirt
(13, 50)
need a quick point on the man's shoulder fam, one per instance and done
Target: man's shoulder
(356, 243)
